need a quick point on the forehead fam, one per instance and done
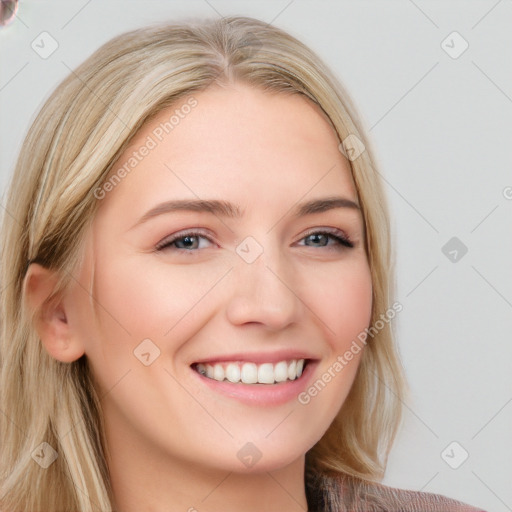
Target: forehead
(232, 141)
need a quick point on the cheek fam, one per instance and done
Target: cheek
(148, 300)
(156, 301)
(344, 303)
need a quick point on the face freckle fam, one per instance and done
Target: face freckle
(263, 286)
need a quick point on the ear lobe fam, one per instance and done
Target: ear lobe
(49, 316)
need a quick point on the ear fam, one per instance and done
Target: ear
(50, 319)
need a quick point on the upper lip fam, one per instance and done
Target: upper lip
(258, 357)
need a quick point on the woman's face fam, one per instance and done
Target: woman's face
(231, 245)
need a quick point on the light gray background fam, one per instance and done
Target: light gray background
(442, 130)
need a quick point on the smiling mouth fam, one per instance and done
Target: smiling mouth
(252, 373)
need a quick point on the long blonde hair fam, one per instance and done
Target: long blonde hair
(68, 153)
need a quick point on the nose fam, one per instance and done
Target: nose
(264, 292)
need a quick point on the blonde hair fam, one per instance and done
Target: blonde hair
(68, 153)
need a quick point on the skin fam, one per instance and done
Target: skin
(173, 441)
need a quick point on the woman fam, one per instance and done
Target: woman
(198, 288)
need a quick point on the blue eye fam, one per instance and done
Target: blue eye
(322, 239)
(190, 241)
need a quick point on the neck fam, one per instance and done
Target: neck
(146, 480)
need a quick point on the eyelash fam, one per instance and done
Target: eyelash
(341, 239)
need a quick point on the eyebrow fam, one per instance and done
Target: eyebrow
(226, 209)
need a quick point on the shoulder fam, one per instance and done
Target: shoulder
(343, 493)
(402, 500)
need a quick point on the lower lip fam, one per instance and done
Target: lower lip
(262, 394)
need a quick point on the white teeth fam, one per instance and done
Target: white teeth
(218, 372)
(300, 366)
(281, 371)
(251, 373)
(292, 370)
(266, 373)
(233, 372)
